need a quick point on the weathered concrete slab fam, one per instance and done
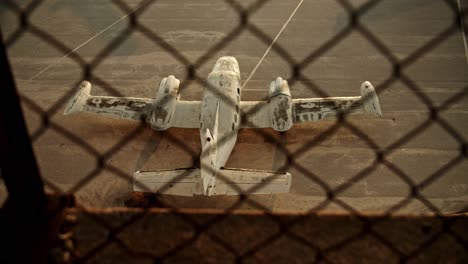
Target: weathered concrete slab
(136, 67)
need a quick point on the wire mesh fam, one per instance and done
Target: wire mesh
(297, 66)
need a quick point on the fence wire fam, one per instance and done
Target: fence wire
(355, 25)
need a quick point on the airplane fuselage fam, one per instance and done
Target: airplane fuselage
(219, 117)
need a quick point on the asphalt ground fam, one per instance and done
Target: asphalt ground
(44, 75)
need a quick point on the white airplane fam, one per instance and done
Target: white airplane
(219, 116)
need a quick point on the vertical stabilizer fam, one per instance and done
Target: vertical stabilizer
(209, 154)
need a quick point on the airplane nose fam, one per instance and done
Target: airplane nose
(366, 84)
(227, 63)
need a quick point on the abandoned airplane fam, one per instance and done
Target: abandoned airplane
(219, 116)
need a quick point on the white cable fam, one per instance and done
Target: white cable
(87, 41)
(463, 29)
(272, 43)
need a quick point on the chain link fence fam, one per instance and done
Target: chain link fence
(283, 225)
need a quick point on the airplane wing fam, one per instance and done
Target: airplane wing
(255, 114)
(162, 113)
(315, 109)
(187, 114)
(186, 182)
(283, 110)
(118, 107)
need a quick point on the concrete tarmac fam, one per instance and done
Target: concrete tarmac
(135, 67)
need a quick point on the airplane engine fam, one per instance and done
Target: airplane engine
(280, 105)
(164, 103)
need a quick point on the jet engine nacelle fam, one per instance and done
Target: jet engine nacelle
(164, 104)
(280, 105)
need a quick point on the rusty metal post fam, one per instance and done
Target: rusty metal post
(26, 225)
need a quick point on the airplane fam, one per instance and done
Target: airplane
(219, 116)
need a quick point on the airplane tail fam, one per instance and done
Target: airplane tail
(371, 103)
(174, 182)
(77, 102)
(184, 182)
(209, 154)
(246, 181)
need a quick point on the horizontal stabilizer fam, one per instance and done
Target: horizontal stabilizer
(186, 182)
(173, 182)
(246, 181)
